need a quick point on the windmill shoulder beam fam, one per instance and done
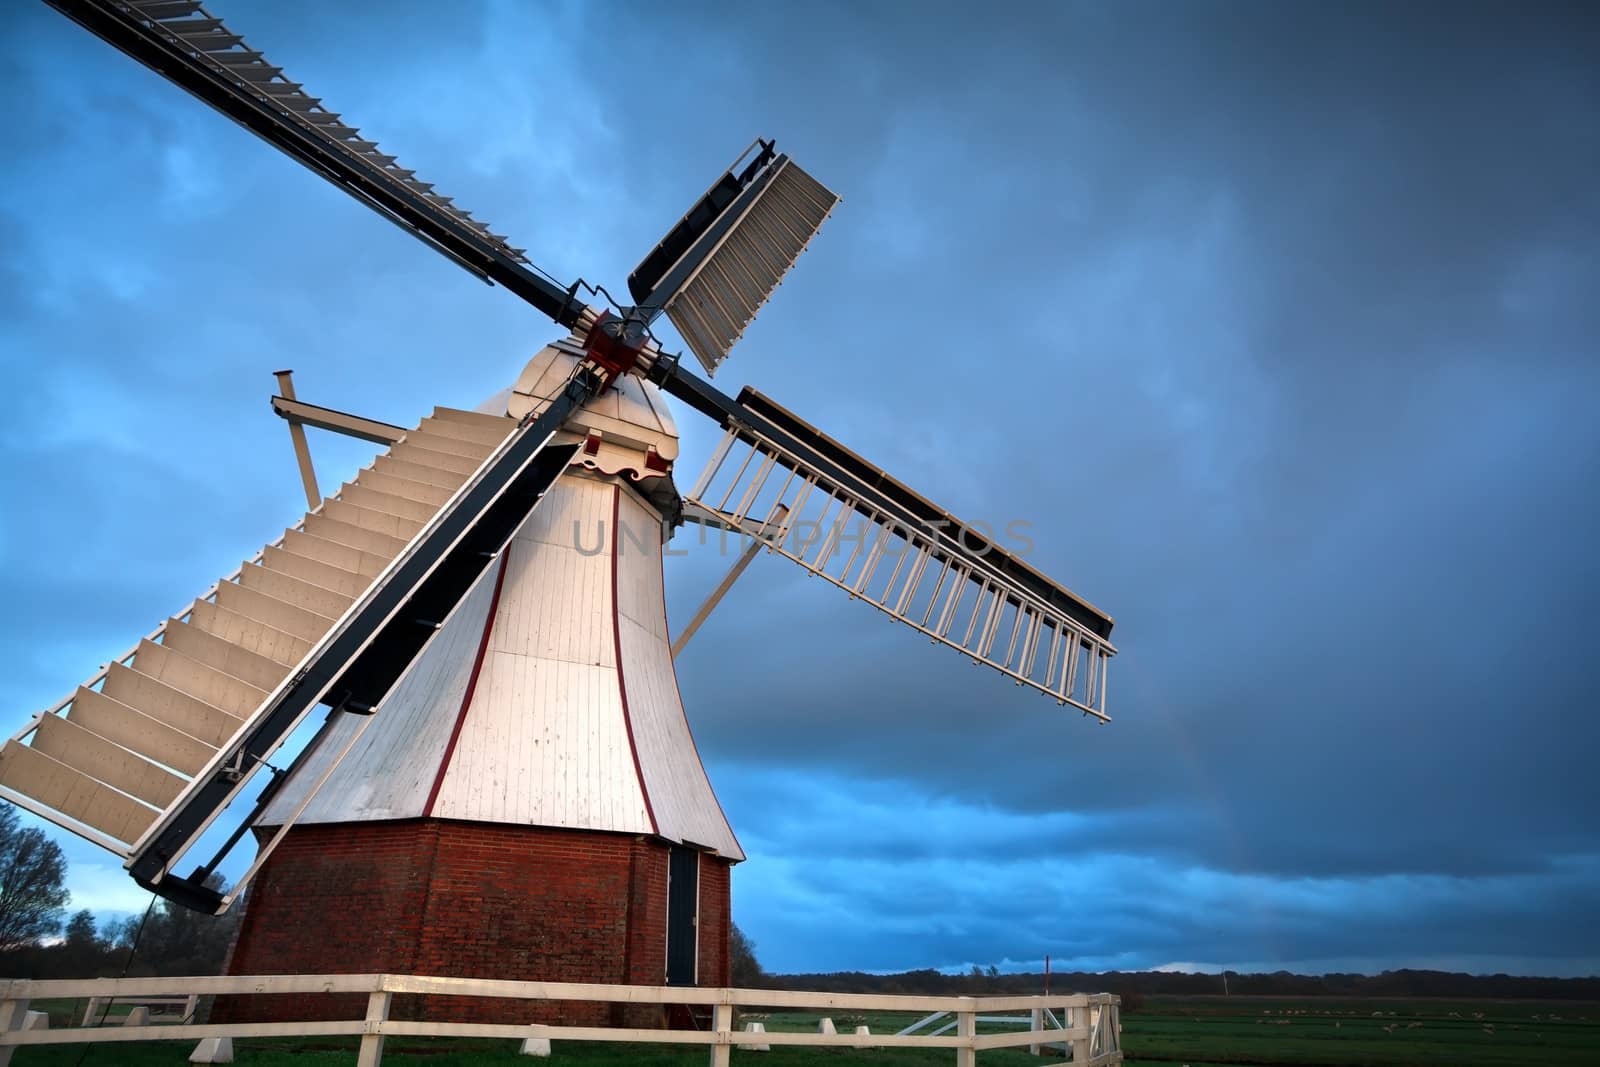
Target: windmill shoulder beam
(121, 25)
(873, 486)
(301, 413)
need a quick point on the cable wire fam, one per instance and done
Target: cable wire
(132, 949)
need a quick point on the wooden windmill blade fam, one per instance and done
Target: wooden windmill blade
(716, 268)
(143, 757)
(778, 479)
(711, 274)
(184, 43)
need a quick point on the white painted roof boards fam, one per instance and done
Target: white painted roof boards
(557, 706)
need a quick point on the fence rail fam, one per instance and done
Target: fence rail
(1088, 1023)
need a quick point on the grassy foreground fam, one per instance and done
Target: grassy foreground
(461, 1053)
(1197, 1031)
(1207, 1031)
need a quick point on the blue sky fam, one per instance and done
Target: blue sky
(1279, 325)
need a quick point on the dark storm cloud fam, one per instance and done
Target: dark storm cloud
(1309, 297)
(1277, 324)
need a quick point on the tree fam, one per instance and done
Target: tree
(118, 933)
(80, 928)
(32, 870)
(743, 969)
(177, 940)
(81, 954)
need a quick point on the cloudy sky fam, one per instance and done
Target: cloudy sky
(1280, 324)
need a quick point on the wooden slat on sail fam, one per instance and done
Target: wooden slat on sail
(124, 745)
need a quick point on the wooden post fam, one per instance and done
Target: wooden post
(371, 1054)
(1080, 1045)
(967, 1027)
(1037, 1017)
(12, 1013)
(757, 543)
(721, 1028)
(302, 451)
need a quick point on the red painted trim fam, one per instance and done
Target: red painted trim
(612, 354)
(472, 684)
(616, 635)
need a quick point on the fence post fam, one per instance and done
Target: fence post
(1037, 1025)
(371, 1054)
(12, 1013)
(1080, 1045)
(721, 1026)
(967, 1027)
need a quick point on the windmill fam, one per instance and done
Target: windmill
(482, 612)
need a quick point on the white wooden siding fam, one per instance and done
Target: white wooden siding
(544, 744)
(556, 603)
(681, 796)
(576, 512)
(391, 769)
(544, 740)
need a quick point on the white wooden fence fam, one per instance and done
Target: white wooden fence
(1089, 1026)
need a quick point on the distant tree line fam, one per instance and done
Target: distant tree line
(1133, 986)
(38, 941)
(174, 941)
(744, 972)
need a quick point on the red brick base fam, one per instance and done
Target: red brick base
(427, 896)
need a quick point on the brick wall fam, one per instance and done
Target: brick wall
(478, 900)
(714, 919)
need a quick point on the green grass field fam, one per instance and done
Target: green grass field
(1198, 1031)
(1380, 1033)
(444, 1053)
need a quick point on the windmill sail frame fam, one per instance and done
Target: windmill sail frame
(217, 68)
(732, 262)
(790, 466)
(355, 662)
(724, 286)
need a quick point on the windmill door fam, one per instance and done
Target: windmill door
(683, 918)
